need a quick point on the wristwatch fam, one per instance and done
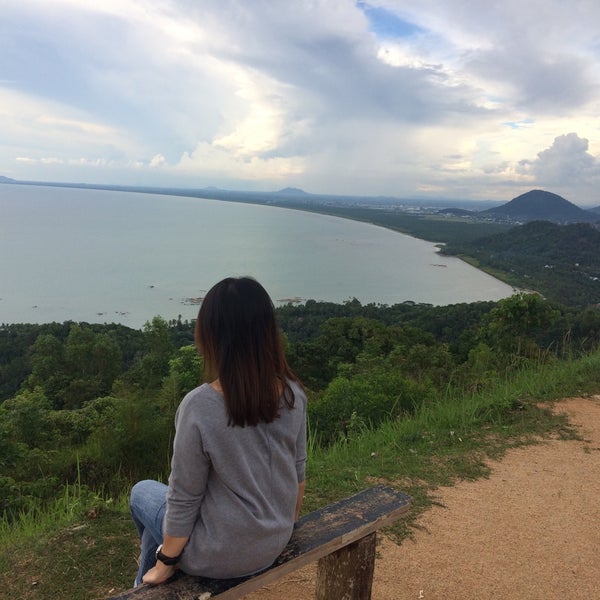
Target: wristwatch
(166, 560)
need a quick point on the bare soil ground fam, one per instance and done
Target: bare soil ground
(531, 531)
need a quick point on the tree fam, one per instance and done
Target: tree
(520, 323)
(343, 339)
(160, 349)
(26, 418)
(424, 363)
(92, 362)
(185, 373)
(48, 368)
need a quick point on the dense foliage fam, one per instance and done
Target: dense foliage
(94, 404)
(559, 261)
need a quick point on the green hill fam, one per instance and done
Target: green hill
(560, 261)
(538, 205)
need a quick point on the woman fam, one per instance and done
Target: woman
(239, 454)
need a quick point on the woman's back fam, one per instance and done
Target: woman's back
(239, 454)
(248, 478)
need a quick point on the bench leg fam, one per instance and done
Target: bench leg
(347, 574)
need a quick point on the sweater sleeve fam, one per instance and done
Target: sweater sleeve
(189, 473)
(301, 447)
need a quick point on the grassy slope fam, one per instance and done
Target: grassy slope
(82, 554)
(89, 558)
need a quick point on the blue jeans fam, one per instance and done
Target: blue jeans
(148, 503)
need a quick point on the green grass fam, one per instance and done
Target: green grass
(451, 438)
(85, 547)
(80, 548)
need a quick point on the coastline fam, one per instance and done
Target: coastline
(401, 274)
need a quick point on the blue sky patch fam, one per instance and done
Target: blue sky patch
(519, 124)
(386, 24)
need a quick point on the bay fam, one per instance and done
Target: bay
(112, 256)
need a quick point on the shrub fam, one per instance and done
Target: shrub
(370, 397)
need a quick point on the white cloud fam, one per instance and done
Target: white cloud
(70, 126)
(207, 159)
(256, 124)
(566, 162)
(157, 161)
(307, 91)
(26, 120)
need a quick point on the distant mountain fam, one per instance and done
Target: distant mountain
(539, 205)
(292, 191)
(596, 209)
(6, 179)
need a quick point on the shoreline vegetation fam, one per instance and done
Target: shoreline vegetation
(415, 395)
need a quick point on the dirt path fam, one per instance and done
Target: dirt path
(529, 532)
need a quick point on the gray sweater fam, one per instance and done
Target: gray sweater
(233, 490)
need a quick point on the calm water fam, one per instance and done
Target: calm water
(103, 256)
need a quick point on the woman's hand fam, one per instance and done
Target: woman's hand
(171, 547)
(159, 573)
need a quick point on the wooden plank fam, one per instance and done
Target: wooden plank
(347, 573)
(315, 535)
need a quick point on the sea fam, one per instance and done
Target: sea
(98, 256)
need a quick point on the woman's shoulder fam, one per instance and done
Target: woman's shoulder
(201, 400)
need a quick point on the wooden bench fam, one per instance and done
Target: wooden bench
(340, 536)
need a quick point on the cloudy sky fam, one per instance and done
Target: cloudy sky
(465, 99)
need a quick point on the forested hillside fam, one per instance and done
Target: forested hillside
(561, 262)
(540, 205)
(95, 404)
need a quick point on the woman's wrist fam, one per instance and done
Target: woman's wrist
(165, 558)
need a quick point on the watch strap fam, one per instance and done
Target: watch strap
(167, 560)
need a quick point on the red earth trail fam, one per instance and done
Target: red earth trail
(531, 531)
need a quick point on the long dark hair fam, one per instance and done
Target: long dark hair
(237, 334)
